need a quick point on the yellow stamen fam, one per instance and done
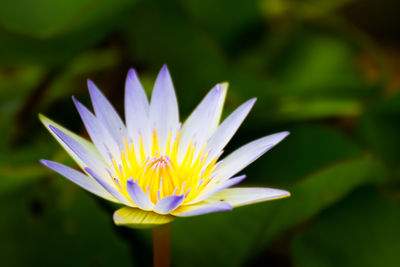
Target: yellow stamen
(160, 175)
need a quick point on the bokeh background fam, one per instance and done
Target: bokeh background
(325, 70)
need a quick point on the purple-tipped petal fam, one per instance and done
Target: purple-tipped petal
(80, 154)
(164, 114)
(137, 110)
(218, 111)
(106, 113)
(240, 158)
(197, 127)
(227, 129)
(202, 208)
(85, 143)
(99, 135)
(138, 196)
(168, 204)
(91, 149)
(244, 196)
(212, 189)
(79, 178)
(111, 189)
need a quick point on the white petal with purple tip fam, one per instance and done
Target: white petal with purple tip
(79, 178)
(138, 196)
(111, 189)
(202, 208)
(106, 113)
(227, 129)
(240, 158)
(218, 111)
(197, 127)
(212, 189)
(243, 196)
(164, 112)
(83, 156)
(99, 135)
(137, 111)
(168, 204)
(85, 143)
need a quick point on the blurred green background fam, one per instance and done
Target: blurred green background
(324, 70)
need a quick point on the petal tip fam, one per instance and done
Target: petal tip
(93, 89)
(164, 68)
(285, 134)
(90, 83)
(44, 162)
(76, 102)
(224, 85)
(42, 118)
(164, 72)
(117, 220)
(132, 73)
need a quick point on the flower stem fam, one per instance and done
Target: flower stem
(161, 245)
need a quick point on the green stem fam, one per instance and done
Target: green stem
(161, 245)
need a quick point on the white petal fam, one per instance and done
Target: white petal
(106, 113)
(212, 188)
(107, 186)
(99, 135)
(227, 129)
(168, 204)
(79, 178)
(88, 161)
(197, 127)
(82, 151)
(138, 196)
(137, 111)
(218, 111)
(201, 208)
(88, 145)
(164, 114)
(240, 158)
(245, 196)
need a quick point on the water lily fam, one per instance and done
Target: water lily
(156, 166)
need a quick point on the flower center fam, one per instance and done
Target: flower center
(163, 175)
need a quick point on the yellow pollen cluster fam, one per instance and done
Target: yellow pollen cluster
(161, 175)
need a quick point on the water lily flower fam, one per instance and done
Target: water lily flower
(158, 168)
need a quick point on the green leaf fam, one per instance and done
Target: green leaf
(379, 128)
(13, 177)
(53, 32)
(228, 21)
(47, 18)
(58, 224)
(320, 190)
(362, 230)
